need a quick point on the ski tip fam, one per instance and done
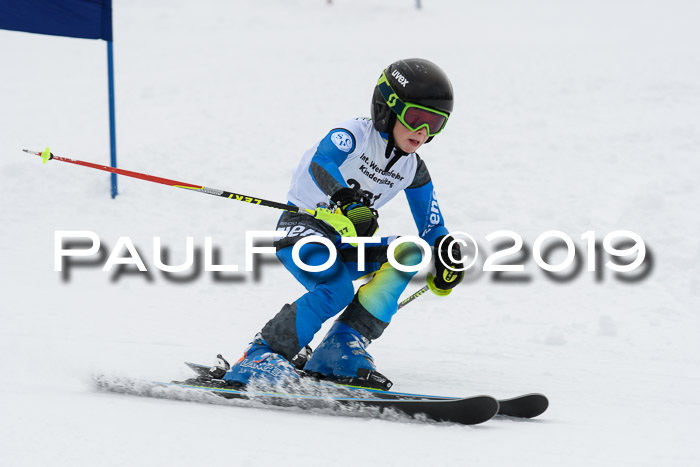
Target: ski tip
(525, 406)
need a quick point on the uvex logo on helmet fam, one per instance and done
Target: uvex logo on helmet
(400, 78)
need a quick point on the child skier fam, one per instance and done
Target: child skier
(359, 166)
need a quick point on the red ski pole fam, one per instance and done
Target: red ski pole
(46, 155)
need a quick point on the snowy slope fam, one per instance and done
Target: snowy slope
(571, 116)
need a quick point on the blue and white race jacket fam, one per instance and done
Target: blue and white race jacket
(353, 155)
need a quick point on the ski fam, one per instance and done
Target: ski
(465, 411)
(523, 406)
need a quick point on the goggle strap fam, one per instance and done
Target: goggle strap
(392, 100)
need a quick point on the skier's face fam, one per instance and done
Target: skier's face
(408, 140)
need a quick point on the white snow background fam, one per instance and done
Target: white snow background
(569, 115)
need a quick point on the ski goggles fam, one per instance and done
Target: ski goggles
(413, 116)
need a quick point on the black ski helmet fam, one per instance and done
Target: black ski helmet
(425, 84)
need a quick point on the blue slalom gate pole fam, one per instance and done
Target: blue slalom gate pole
(112, 124)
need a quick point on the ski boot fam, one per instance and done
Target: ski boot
(342, 357)
(260, 363)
